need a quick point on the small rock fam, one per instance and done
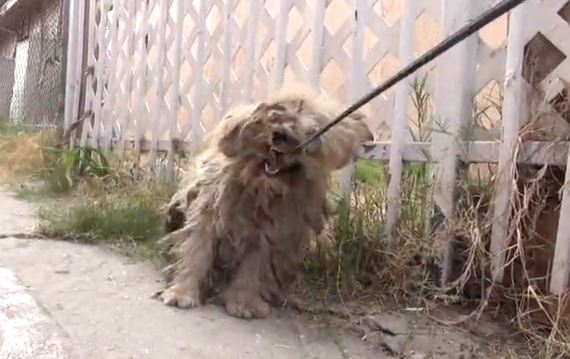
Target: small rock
(394, 345)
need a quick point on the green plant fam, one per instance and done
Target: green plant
(370, 172)
(70, 165)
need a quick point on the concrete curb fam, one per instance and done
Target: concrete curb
(27, 330)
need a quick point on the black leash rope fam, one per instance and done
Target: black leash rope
(460, 35)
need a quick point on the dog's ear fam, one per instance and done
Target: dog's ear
(314, 145)
(231, 143)
(358, 116)
(361, 128)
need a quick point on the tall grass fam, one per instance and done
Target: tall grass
(352, 258)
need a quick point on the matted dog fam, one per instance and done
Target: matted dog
(250, 203)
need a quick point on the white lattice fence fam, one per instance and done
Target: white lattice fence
(160, 72)
(220, 54)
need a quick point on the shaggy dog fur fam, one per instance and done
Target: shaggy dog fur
(250, 204)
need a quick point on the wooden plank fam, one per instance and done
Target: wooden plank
(534, 152)
(513, 104)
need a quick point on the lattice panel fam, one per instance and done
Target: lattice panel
(548, 52)
(165, 69)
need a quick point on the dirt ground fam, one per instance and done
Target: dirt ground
(101, 301)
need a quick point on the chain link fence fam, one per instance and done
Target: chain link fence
(31, 42)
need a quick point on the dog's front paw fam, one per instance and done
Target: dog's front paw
(246, 306)
(175, 297)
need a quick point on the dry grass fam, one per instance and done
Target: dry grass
(20, 152)
(352, 267)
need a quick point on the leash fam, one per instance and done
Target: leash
(460, 35)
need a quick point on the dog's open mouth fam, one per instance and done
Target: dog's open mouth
(275, 163)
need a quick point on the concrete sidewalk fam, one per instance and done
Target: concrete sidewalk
(103, 303)
(26, 330)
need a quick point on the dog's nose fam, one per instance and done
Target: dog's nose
(280, 137)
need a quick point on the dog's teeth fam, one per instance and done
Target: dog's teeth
(269, 170)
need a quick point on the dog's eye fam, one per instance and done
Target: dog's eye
(280, 137)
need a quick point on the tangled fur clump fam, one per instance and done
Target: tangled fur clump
(250, 202)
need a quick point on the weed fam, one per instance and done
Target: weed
(69, 166)
(370, 172)
(104, 201)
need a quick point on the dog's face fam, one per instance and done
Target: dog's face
(268, 139)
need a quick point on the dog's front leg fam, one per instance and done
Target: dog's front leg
(242, 297)
(196, 255)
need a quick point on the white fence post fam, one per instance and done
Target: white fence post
(74, 71)
(113, 84)
(101, 63)
(513, 104)
(250, 48)
(159, 80)
(318, 34)
(561, 262)
(141, 110)
(198, 105)
(128, 72)
(227, 45)
(400, 123)
(175, 95)
(453, 108)
(280, 61)
(90, 98)
(346, 177)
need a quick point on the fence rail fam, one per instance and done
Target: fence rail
(148, 75)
